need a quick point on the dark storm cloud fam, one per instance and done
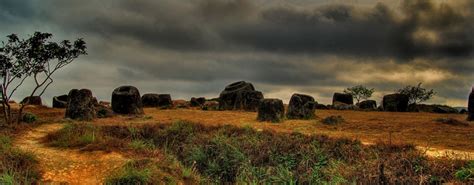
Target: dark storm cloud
(198, 46)
(419, 28)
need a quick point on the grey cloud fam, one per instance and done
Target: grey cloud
(192, 48)
(420, 28)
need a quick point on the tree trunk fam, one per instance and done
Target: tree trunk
(20, 112)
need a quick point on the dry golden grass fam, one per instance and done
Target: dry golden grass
(420, 129)
(416, 128)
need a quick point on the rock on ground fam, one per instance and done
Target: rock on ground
(150, 100)
(395, 103)
(271, 110)
(367, 105)
(127, 100)
(240, 95)
(343, 98)
(301, 107)
(197, 102)
(165, 101)
(80, 105)
(32, 100)
(60, 101)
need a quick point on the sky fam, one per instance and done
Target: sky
(193, 48)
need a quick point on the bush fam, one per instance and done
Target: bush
(133, 172)
(102, 113)
(74, 135)
(141, 145)
(333, 120)
(29, 117)
(161, 170)
(466, 173)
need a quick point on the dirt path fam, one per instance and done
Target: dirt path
(439, 153)
(66, 165)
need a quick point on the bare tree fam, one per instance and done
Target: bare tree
(34, 58)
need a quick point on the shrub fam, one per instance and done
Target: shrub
(163, 170)
(102, 113)
(466, 173)
(29, 117)
(133, 172)
(74, 135)
(333, 120)
(141, 145)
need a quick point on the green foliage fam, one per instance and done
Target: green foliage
(141, 145)
(466, 173)
(102, 113)
(132, 173)
(29, 117)
(151, 171)
(35, 57)
(417, 94)
(360, 92)
(74, 135)
(227, 154)
(7, 179)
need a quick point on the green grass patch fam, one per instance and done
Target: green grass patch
(16, 166)
(228, 154)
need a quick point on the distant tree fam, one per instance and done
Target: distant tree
(34, 58)
(417, 94)
(360, 92)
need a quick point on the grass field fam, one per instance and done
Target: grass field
(415, 128)
(161, 149)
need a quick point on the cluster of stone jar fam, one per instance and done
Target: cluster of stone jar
(81, 105)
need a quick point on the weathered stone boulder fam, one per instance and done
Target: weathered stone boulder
(367, 105)
(165, 101)
(271, 110)
(470, 106)
(60, 101)
(210, 105)
(343, 98)
(197, 102)
(150, 100)
(444, 109)
(343, 106)
(103, 111)
(32, 100)
(395, 103)
(239, 95)
(80, 105)
(181, 104)
(127, 100)
(251, 100)
(301, 107)
(321, 106)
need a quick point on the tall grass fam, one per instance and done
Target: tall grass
(16, 166)
(227, 154)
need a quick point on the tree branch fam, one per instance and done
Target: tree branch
(13, 91)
